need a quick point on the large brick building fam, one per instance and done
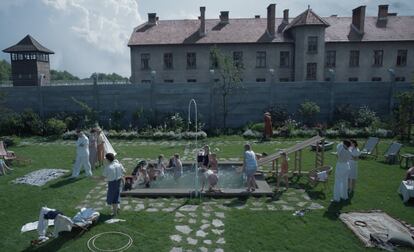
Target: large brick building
(305, 48)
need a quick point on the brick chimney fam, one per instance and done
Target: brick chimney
(358, 19)
(382, 15)
(202, 30)
(271, 19)
(286, 16)
(224, 17)
(152, 18)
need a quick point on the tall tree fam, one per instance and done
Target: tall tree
(230, 73)
(405, 114)
(5, 70)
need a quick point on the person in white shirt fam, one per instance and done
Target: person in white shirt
(342, 171)
(82, 155)
(353, 165)
(113, 173)
(250, 167)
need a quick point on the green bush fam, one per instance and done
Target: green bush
(54, 127)
(10, 140)
(11, 124)
(33, 124)
(366, 117)
(345, 113)
(259, 127)
(174, 122)
(309, 110)
(279, 115)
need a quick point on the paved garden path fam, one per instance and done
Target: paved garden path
(201, 227)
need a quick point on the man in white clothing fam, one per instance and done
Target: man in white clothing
(82, 155)
(342, 171)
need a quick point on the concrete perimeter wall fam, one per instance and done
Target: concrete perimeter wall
(245, 105)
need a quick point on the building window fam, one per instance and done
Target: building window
(284, 59)
(238, 59)
(284, 79)
(169, 81)
(191, 80)
(376, 79)
(145, 59)
(191, 60)
(312, 44)
(354, 58)
(261, 59)
(352, 79)
(402, 58)
(331, 58)
(20, 56)
(260, 80)
(168, 61)
(402, 79)
(311, 71)
(378, 55)
(145, 81)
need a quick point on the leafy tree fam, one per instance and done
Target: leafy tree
(5, 70)
(405, 114)
(102, 77)
(278, 113)
(90, 115)
(230, 78)
(62, 75)
(366, 117)
(309, 110)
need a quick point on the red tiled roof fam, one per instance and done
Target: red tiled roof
(308, 17)
(253, 30)
(28, 44)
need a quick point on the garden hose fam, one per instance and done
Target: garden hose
(92, 247)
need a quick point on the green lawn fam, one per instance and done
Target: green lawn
(246, 230)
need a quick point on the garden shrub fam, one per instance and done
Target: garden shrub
(54, 127)
(366, 117)
(11, 124)
(345, 113)
(309, 110)
(32, 123)
(278, 113)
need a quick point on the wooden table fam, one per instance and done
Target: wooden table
(408, 157)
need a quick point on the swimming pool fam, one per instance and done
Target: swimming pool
(230, 182)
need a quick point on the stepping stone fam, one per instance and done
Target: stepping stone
(169, 209)
(301, 204)
(257, 204)
(178, 215)
(256, 209)
(201, 233)
(271, 207)
(157, 205)
(192, 221)
(204, 221)
(176, 249)
(241, 207)
(306, 197)
(292, 199)
(189, 208)
(207, 208)
(139, 207)
(206, 215)
(217, 223)
(194, 215)
(287, 208)
(191, 241)
(301, 190)
(220, 215)
(179, 220)
(183, 229)
(152, 210)
(203, 249)
(219, 250)
(208, 242)
(128, 208)
(176, 238)
(222, 207)
(280, 202)
(204, 226)
(315, 206)
(221, 241)
(217, 231)
(290, 193)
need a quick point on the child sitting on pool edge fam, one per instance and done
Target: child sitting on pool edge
(211, 178)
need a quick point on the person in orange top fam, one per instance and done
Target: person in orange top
(284, 169)
(268, 131)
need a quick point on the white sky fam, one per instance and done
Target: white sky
(91, 35)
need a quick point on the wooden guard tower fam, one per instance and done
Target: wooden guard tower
(29, 62)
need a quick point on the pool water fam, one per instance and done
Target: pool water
(228, 178)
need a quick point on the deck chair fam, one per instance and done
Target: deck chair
(370, 148)
(319, 175)
(391, 155)
(6, 155)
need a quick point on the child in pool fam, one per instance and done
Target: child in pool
(284, 169)
(211, 178)
(213, 163)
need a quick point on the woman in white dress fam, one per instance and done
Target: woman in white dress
(353, 165)
(342, 171)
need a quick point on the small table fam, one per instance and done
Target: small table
(408, 158)
(406, 190)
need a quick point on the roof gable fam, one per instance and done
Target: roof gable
(28, 44)
(308, 17)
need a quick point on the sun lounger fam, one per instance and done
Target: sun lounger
(6, 155)
(370, 148)
(391, 155)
